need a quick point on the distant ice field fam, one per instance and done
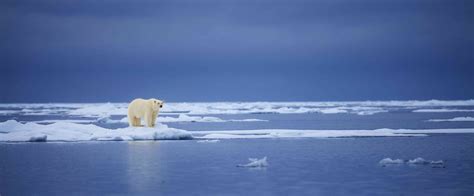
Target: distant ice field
(232, 120)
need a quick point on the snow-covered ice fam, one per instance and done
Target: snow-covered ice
(254, 162)
(183, 118)
(13, 131)
(206, 108)
(418, 160)
(100, 110)
(387, 161)
(291, 133)
(456, 119)
(415, 161)
(443, 110)
(208, 141)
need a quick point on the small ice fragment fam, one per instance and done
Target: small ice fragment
(437, 164)
(418, 161)
(254, 162)
(390, 161)
(208, 141)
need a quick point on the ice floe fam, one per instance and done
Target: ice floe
(183, 118)
(443, 110)
(387, 161)
(254, 162)
(208, 141)
(9, 112)
(187, 118)
(291, 133)
(203, 108)
(13, 131)
(456, 119)
(100, 110)
(416, 161)
(63, 120)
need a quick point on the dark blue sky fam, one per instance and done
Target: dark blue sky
(236, 50)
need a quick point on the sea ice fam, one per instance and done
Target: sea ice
(183, 118)
(254, 162)
(208, 141)
(443, 110)
(356, 107)
(390, 161)
(13, 131)
(416, 161)
(456, 119)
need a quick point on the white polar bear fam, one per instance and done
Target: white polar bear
(140, 109)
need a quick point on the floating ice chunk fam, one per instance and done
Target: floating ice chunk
(111, 121)
(247, 120)
(13, 131)
(388, 161)
(254, 162)
(443, 110)
(332, 111)
(437, 164)
(9, 112)
(64, 120)
(418, 161)
(457, 119)
(358, 107)
(183, 118)
(100, 110)
(293, 133)
(186, 118)
(208, 141)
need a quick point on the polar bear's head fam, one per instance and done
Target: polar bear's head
(156, 104)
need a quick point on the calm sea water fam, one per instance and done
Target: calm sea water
(296, 167)
(342, 166)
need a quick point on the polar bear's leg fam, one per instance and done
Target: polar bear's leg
(149, 119)
(131, 120)
(153, 119)
(137, 122)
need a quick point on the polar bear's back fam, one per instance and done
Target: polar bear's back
(137, 107)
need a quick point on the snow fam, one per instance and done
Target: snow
(254, 162)
(456, 119)
(13, 131)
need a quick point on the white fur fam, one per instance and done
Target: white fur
(144, 109)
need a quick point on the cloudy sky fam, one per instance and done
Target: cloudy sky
(235, 50)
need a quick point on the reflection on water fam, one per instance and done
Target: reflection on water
(144, 166)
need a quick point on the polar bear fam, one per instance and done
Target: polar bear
(140, 109)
